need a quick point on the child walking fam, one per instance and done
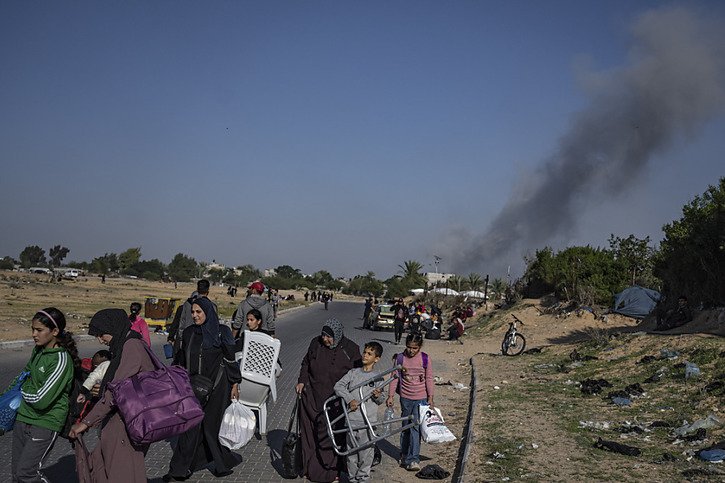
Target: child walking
(360, 463)
(43, 410)
(414, 383)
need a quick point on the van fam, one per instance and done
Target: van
(71, 274)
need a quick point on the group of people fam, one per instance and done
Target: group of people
(59, 384)
(334, 364)
(318, 296)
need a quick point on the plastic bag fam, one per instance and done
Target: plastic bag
(431, 426)
(387, 417)
(9, 404)
(237, 426)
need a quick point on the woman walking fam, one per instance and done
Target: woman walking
(44, 407)
(207, 350)
(115, 458)
(328, 358)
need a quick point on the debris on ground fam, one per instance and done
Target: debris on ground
(669, 354)
(576, 357)
(621, 401)
(617, 447)
(660, 424)
(594, 424)
(691, 370)
(708, 423)
(647, 359)
(533, 350)
(629, 428)
(594, 386)
(432, 472)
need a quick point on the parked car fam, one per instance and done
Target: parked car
(385, 318)
(71, 274)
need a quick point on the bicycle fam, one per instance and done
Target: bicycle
(513, 342)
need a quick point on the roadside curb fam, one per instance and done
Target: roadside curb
(460, 471)
(17, 344)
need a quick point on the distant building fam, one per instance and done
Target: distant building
(437, 278)
(270, 272)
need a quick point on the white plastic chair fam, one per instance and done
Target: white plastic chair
(257, 362)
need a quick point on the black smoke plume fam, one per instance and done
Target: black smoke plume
(672, 85)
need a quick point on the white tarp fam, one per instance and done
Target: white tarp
(474, 293)
(445, 291)
(417, 291)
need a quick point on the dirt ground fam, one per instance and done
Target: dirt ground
(531, 420)
(23, 294)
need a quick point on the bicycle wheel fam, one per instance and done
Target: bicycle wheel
(513, 346)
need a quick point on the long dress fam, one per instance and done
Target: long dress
(199, 446)
(321, 368)
(115, 458)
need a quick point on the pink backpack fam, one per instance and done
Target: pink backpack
(157, 404)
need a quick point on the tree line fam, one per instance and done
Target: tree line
(690, 261)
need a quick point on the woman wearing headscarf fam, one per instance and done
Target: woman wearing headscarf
(328, 358)
(115, 457)
(207, 348)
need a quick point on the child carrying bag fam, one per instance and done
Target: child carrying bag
(157, 404)
(292, 445)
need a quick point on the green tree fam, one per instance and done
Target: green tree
(216, 275)
(456, 283)
(691, 259)
(153, 269)
(7, 263)
(474, 281)
(57, 254)
(498, 288)
(183, 268)
(128, 259)
(366, 284)
(635, 257)
(410, 270)
(105, 264)
(31, 256)
(285, 271)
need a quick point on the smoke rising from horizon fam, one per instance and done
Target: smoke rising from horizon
(671, 87)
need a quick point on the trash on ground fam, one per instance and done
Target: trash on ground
(594, 424)
(498, 456)
(691, 370)
(714, 386)
(708, 423)
(594, 386)
(534, 446)
(712, 454)
(543, 366)
(432, 472)
(617, 447)
(533, 350)
(622, 401)
(660, 424)
(647, 359)
(699, 435)
(669, 354)
(629, 428)
(496, 388)
(668, 457)
(657, 376)
(576, 357)
(459, 387)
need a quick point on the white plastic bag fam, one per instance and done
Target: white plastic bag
(431, 426)
(237, 426)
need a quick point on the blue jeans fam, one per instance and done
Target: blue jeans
(410, 438)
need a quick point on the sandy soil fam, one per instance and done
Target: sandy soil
(23, 294)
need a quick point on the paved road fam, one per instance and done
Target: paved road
(295, 330)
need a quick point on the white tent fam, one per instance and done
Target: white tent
(475, 294)
(445, 291)
(417, 291)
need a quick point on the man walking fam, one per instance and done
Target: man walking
(254, 300)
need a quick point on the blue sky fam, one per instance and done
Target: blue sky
(347, 136)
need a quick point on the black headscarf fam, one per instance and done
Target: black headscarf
(115, 323)
(210, 330)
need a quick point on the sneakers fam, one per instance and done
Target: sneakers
(414, 466)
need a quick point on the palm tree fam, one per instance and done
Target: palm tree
(456, 283)
(498, 287)
(411, 271)
(474, 281)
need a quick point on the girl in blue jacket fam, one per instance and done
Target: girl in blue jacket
(44, 408)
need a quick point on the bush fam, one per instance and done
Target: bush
(691, 260)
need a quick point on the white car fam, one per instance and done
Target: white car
(71, 274)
